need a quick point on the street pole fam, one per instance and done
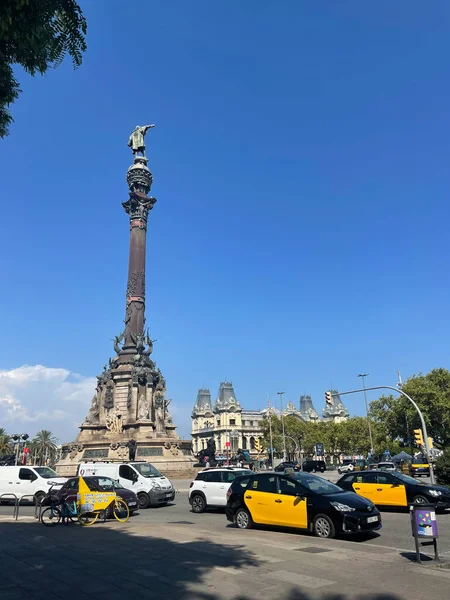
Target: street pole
(297, 449)
(419, 412)
(282, 424)
(270, 433)
(363, 375)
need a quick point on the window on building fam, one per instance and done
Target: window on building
(218, 422)
(234, 443)
(244, 443)
(252, 443)
(232, 421)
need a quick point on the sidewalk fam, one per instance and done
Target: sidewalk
(180, 561)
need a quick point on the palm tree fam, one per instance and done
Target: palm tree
(43, 447)
(5, 448)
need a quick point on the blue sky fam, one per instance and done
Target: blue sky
(300, 161)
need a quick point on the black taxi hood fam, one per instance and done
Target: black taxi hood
(429, 486)
(350, 498)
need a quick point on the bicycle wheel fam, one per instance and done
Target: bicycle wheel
(120, 510)
(86, 518)
(51, 516)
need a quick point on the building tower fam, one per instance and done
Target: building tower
(129, 412)
(307, 409)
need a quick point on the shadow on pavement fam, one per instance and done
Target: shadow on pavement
(119, 561)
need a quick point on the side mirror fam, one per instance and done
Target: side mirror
(300, 496)
(395, 485)
(33, 477)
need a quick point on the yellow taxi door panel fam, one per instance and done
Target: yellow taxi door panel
(292, 505)
(293, 512)
(364, 485)
(389, 491)
(261, 499)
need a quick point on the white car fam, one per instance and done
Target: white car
(386, 466)
(210, 487)
(346, 468)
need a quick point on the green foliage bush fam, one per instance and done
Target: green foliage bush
(442, 468)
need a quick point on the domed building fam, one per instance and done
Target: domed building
(227, 422)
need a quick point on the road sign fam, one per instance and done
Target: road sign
(319, 449)
(227, 444)
(26, 450)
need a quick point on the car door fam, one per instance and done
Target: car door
(227, 478)
(291, 500)
(24, 484)
(364, 484)
(215, 489)
(262, 499)
(389, 491)
(127, 477)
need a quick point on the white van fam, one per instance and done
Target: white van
(27, 481)
(142, 478)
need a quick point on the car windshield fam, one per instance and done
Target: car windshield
(240, 472)
(386, 465)
(407, 479)
(45, 472)
(107, 484)
(146, 470)
(317, 484)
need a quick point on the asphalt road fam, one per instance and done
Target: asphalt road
(395, 534)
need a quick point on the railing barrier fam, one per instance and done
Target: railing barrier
(15, 499)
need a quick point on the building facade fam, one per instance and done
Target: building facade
(226, 420)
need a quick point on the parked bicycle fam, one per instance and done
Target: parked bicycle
(86, 510)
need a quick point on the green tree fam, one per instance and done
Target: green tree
(5, 443)
(442, 468)
(37, 35)
(431, 393)
(43, 447)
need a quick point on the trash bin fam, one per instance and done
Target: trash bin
(424, 527)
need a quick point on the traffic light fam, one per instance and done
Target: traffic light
(418, 437)
(257, 445)
(430, 443)
(328, 398)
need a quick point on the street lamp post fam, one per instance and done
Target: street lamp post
(363, 375)
(270, 433)
(419, 412)
(282, 424)
(297, 448)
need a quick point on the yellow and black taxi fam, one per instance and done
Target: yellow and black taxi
(394, 489)
(419, 466)
(299, 500)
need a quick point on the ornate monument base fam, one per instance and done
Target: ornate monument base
(129, 418)
(150, 436)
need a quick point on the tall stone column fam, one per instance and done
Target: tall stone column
(139, 180)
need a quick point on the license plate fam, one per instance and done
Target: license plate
(131, 503)
(372, 519)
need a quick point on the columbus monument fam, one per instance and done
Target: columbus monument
(129, 416)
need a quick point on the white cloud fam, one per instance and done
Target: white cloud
(38, 397)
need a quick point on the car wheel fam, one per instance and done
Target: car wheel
(323, 527)
(198, 503)
(420, 500)
(144, 500)
(243, 519)
(38, 497)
